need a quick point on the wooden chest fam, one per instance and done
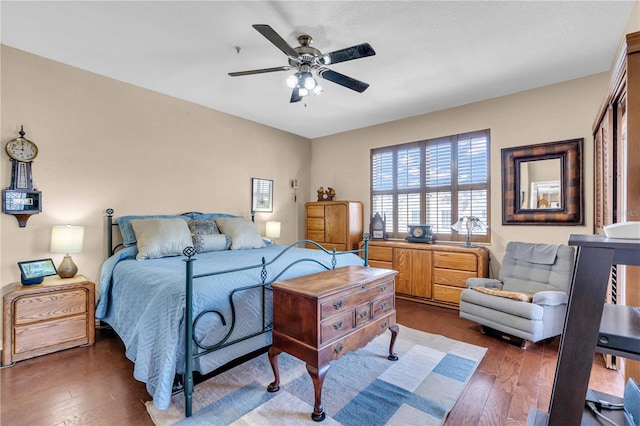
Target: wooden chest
(321, 317)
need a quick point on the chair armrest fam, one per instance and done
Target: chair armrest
(484, 282)
(550, 298)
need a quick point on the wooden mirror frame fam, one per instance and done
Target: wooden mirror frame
(571, 212)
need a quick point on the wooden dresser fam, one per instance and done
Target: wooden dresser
(430, 273)
(39, 319)
(334, 224)
(318, 318)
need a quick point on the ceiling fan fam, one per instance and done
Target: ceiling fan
(305, 59)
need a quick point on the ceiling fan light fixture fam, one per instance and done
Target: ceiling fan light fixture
(303, 92)
(317, 90)
(292, 81)
(309, 83)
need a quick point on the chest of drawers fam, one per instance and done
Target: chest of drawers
(318, 318)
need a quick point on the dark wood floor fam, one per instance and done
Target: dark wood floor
(94, 385)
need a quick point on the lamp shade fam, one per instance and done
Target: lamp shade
(272, 229)
(67, 239)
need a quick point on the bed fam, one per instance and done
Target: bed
(179, 307)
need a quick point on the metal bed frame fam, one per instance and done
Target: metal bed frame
(264, 285)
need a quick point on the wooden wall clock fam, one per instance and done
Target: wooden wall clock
(21, 199)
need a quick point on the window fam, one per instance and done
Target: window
(432, 182)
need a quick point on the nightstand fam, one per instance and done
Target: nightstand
(40, 319)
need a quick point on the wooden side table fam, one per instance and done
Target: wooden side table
(39, 319)
(318, 318)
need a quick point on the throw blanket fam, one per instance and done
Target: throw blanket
(523, 297)
(544, 254)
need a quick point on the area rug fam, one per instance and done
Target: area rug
(361, 388)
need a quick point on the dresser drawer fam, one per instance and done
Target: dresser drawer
(317, 236)
(382, 306)
(447, 294)
(315, 211)
(52, 305)
(378, 264)
(363, 314)
(451, 277)
(351, 300)
(50, 333)
(336, 326)
(384, 254)
(316, 224)
(461, 261)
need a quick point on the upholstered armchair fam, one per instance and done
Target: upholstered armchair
(529, 299)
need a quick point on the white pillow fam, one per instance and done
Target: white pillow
(161, 237)
(242, 232)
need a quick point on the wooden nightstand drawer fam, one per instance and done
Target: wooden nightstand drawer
(349, 301)
(49, 306)
(50, 333)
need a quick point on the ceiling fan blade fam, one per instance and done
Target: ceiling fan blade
(295, 96)
(350, 53)
(343, 80)
(270, 34)
(260, 71)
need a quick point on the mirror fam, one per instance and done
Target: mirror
(261, 195)
(542, 184)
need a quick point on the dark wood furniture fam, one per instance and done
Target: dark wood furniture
(334, 224)
(616, 134)
(580, 337)
(319, 318)
(430, 273)
(39, 319)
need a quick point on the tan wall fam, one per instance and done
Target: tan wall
(552, 113)
(105, 144)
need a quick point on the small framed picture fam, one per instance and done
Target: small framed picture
(261, 195)
(34, 271)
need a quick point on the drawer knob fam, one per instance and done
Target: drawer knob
(338, 325)
(337, 305)
(383, 305)
(363, 314)
(383, 288)
(338, 348)
(383, 325)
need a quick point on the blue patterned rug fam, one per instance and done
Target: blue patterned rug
(361, 388)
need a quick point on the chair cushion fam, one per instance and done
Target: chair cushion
(528, 311)
(514, 295)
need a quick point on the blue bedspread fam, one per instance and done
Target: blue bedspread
(144, 302)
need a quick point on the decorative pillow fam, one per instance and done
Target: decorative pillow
(523, 297)
(206, 236)
(126, 230)
(242, 232)
(160, 237)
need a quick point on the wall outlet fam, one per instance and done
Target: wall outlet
(294, 183)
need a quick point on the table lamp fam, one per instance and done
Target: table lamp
(272, 230)
(470, 223)
(67, 239)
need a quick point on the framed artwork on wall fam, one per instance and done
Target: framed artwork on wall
(261, 195)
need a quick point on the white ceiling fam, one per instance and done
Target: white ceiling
(429, 55)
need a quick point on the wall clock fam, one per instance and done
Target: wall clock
(21, 199)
